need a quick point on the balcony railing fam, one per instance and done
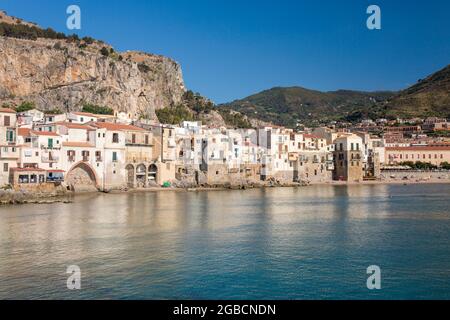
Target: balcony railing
(44, 147)
(49, 159)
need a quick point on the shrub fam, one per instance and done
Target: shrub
(104, 51)
(25, 106)
(23, 31)
(174, 115)
(235, 119)
(143, 67)
(88, 40)
(95, 109)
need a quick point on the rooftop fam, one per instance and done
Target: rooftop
(7, 110)
(44, 133)
(116, 126)
(71, 125)
(79, 144)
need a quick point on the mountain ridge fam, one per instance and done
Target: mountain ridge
(292, 105)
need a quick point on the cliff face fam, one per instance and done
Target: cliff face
(59, 74)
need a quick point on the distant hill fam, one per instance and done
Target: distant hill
(429, 97)
(288, 106)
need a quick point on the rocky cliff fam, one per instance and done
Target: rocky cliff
(64, 74)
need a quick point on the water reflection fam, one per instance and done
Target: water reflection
(289, 243)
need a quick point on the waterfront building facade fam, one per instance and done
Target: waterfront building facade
(85, 151)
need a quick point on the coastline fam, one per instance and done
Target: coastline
(10, 197)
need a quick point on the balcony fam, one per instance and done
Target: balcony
(46, 147)
(49, 158)
(9, 152)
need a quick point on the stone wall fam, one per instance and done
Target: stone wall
(414, 176)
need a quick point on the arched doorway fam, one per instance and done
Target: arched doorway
(141, 172)
(130, 175)
(152, 173)
(82, 178)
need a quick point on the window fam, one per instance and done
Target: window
(85, 155)
(352, 146)
(7, 121)
(115, 138)
(10, 136)
(133, 138)
(71, 155)
(146, 139)
(82, 119)
(114, 156)
(5, 167)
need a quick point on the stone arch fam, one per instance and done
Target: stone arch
(82, 177)
(153, 173)
(141, 175)
(130, 175)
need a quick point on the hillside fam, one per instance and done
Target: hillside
(429, 97)
(288, 106)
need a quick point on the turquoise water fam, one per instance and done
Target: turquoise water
(285, 243)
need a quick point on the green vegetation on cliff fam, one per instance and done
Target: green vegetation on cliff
(25, 106)
(174, 115)
(235, 119)
(23, 31)
(92, 108)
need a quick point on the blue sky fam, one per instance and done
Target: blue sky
(229, 49)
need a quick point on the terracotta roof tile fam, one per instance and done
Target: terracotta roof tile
(7, 110)
(419, 148)
(80, 144)
(44, 133)
(24, 132)
(27, 169)
(117, 126)
(71, 125)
